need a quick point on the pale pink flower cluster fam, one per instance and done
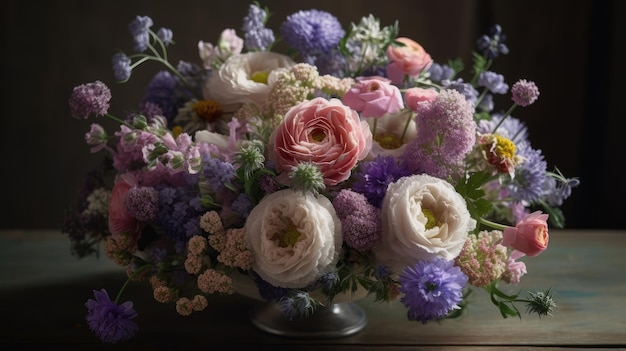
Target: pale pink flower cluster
(211, 222)
(185, 306)
(212, 281)
(163, 294)
(482, 258)
(116, 252)
(514, 269)
(231, 244)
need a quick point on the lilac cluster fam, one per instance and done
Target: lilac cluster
(446, 133)
(90, 99)
(360, 221)
(312, 32)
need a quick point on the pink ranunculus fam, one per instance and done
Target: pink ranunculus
(409, 59)
(120, 221)
(324, 132)
(414, 96)
(374, 97)
(529, 236)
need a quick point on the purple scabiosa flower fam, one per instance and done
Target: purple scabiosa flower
(491, 45)
(149, 109)
(530, 176)
(494, 82)
(373, 177)
(446, 133)
(470, 93)
(557, 189)
(140, 30)
(439, 73)
(166, 35)
(486, 103)
(524, 92)
(109, 321)
(96, 137)
(121, 67)
(431, 289)
(88, 99)
(312, 32)
(142, 203)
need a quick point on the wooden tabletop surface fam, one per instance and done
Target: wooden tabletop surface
(43, 290)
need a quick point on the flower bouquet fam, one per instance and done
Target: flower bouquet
(354, 165)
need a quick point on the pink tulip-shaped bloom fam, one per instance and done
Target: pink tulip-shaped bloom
(374, 97)
(323, 132)
(529, 236)
(120, 220)
(414, 96)
(409, 59)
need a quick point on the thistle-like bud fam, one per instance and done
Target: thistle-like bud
(541, 302)
(307, 177)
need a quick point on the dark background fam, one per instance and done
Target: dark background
(573, 50)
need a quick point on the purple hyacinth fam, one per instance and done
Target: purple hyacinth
(440, 72)
(256, 36)
(312, 32)
(109, 321)
(121, 66)
(140, 30)
(431, 289)
(88, 99)
(524, 92)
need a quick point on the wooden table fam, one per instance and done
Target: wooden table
(43, 291)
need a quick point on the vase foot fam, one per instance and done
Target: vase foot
(334, 321)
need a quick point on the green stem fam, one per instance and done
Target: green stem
(406, 126)
(120, 121)
(507, 114)
(133, 275)
(491, 224)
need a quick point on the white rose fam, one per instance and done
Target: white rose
(246, 78)
(293, 237)
(423, 217)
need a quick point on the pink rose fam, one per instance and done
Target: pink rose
(120, 221)
(324, 132)
(374, 97)
(529, 236)
(409, 59)
(414, 96)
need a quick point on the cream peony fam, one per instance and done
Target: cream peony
(423, 217)
(293, 238)
(246, 78)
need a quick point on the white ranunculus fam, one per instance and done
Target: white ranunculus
(293, 237)
(397, 127)
(423, 217)
(246, 78)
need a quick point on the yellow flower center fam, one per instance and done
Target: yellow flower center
(387, 141)
(176, 131)
(505, 148)
(259, 77)
(317, 135)
(431, 220)
(289, 237)
(209, 110)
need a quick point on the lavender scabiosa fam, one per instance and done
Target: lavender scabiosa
(108, 320)
(90, 99)
(142, 203)
(446, 133)
(431, 289)
(312, 32)
(438, 72)
(373, 177)
(530, 176)
(524, 92)
(140, 30)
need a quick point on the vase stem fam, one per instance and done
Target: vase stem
(334, 321)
